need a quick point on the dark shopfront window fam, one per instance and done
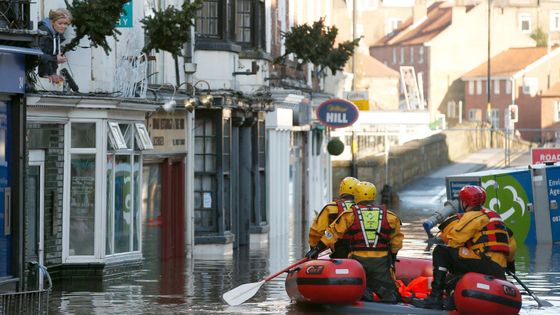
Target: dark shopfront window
(212, 159)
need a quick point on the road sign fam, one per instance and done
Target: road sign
(337, 113)
(545, 155)
(359, 98)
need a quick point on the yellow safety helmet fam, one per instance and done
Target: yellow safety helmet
(347, 186)
(365, 191)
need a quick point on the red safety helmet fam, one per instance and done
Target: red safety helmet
(471, 195)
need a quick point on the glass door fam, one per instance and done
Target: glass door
(5, 193)
(36, 211)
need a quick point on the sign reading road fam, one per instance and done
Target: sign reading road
(545, 155)
(337, 113)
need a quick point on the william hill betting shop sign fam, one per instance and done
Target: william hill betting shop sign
(337, 113)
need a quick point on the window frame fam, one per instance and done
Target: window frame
(496, 87)
(100, 142)
(475, 114)
(478, 87)
(554, 25)
(525, 17)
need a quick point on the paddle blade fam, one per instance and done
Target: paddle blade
(242, 293)
(542, 303)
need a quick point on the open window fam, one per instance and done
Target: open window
(142, 137)
(116, 137)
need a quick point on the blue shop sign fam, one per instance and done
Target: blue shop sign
(12, 72)
(337, 113)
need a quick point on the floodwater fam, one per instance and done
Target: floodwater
(179, 286)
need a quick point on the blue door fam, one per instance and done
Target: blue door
(5, 192)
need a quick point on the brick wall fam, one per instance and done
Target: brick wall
(50, 138)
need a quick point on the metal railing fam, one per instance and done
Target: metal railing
(28, 302)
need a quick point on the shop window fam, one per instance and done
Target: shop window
(123, 191)
(82, 205)
(121, 210)
(205, 138)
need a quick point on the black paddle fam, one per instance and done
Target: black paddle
(541, 303)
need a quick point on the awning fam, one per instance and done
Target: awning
(20, 50)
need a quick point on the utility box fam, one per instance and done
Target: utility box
(509, 192)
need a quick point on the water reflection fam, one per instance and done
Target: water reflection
(178, 286)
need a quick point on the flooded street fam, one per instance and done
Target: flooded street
(195, 286)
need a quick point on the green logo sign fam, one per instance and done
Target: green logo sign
(507, 196)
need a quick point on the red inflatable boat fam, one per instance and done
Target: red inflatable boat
(338, 285)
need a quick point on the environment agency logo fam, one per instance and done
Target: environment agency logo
(507, 196)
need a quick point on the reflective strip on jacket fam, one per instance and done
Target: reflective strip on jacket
(338, 229)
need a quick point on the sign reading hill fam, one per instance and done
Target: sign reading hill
(337, 113)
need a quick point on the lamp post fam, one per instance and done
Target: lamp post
(488, 75)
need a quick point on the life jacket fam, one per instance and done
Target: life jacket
(341, 206)
(419, 288)
(370, 229)
(493, 237)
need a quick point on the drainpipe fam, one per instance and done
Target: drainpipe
(189, 158)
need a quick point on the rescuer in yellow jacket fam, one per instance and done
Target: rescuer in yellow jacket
(375, 237)
(330, 212)
(477, 242)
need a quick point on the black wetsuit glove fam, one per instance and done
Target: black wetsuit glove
(511, 266)
(314, 252)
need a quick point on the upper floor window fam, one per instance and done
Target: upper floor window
(243, 17)
(242, 21)
(421, 54)
(557, 110)
(530, 86)
(555, 21)
(497, 87)
(394, 55)
(471, 87)
(525, 22)
(508, 87)
(208, 19)
(412, 54)
(402, 55)
(479, 87)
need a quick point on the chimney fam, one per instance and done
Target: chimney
(419, 11)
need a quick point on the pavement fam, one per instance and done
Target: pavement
(429, 192)
(481, 160)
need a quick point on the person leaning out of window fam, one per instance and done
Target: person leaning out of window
(54, 26)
